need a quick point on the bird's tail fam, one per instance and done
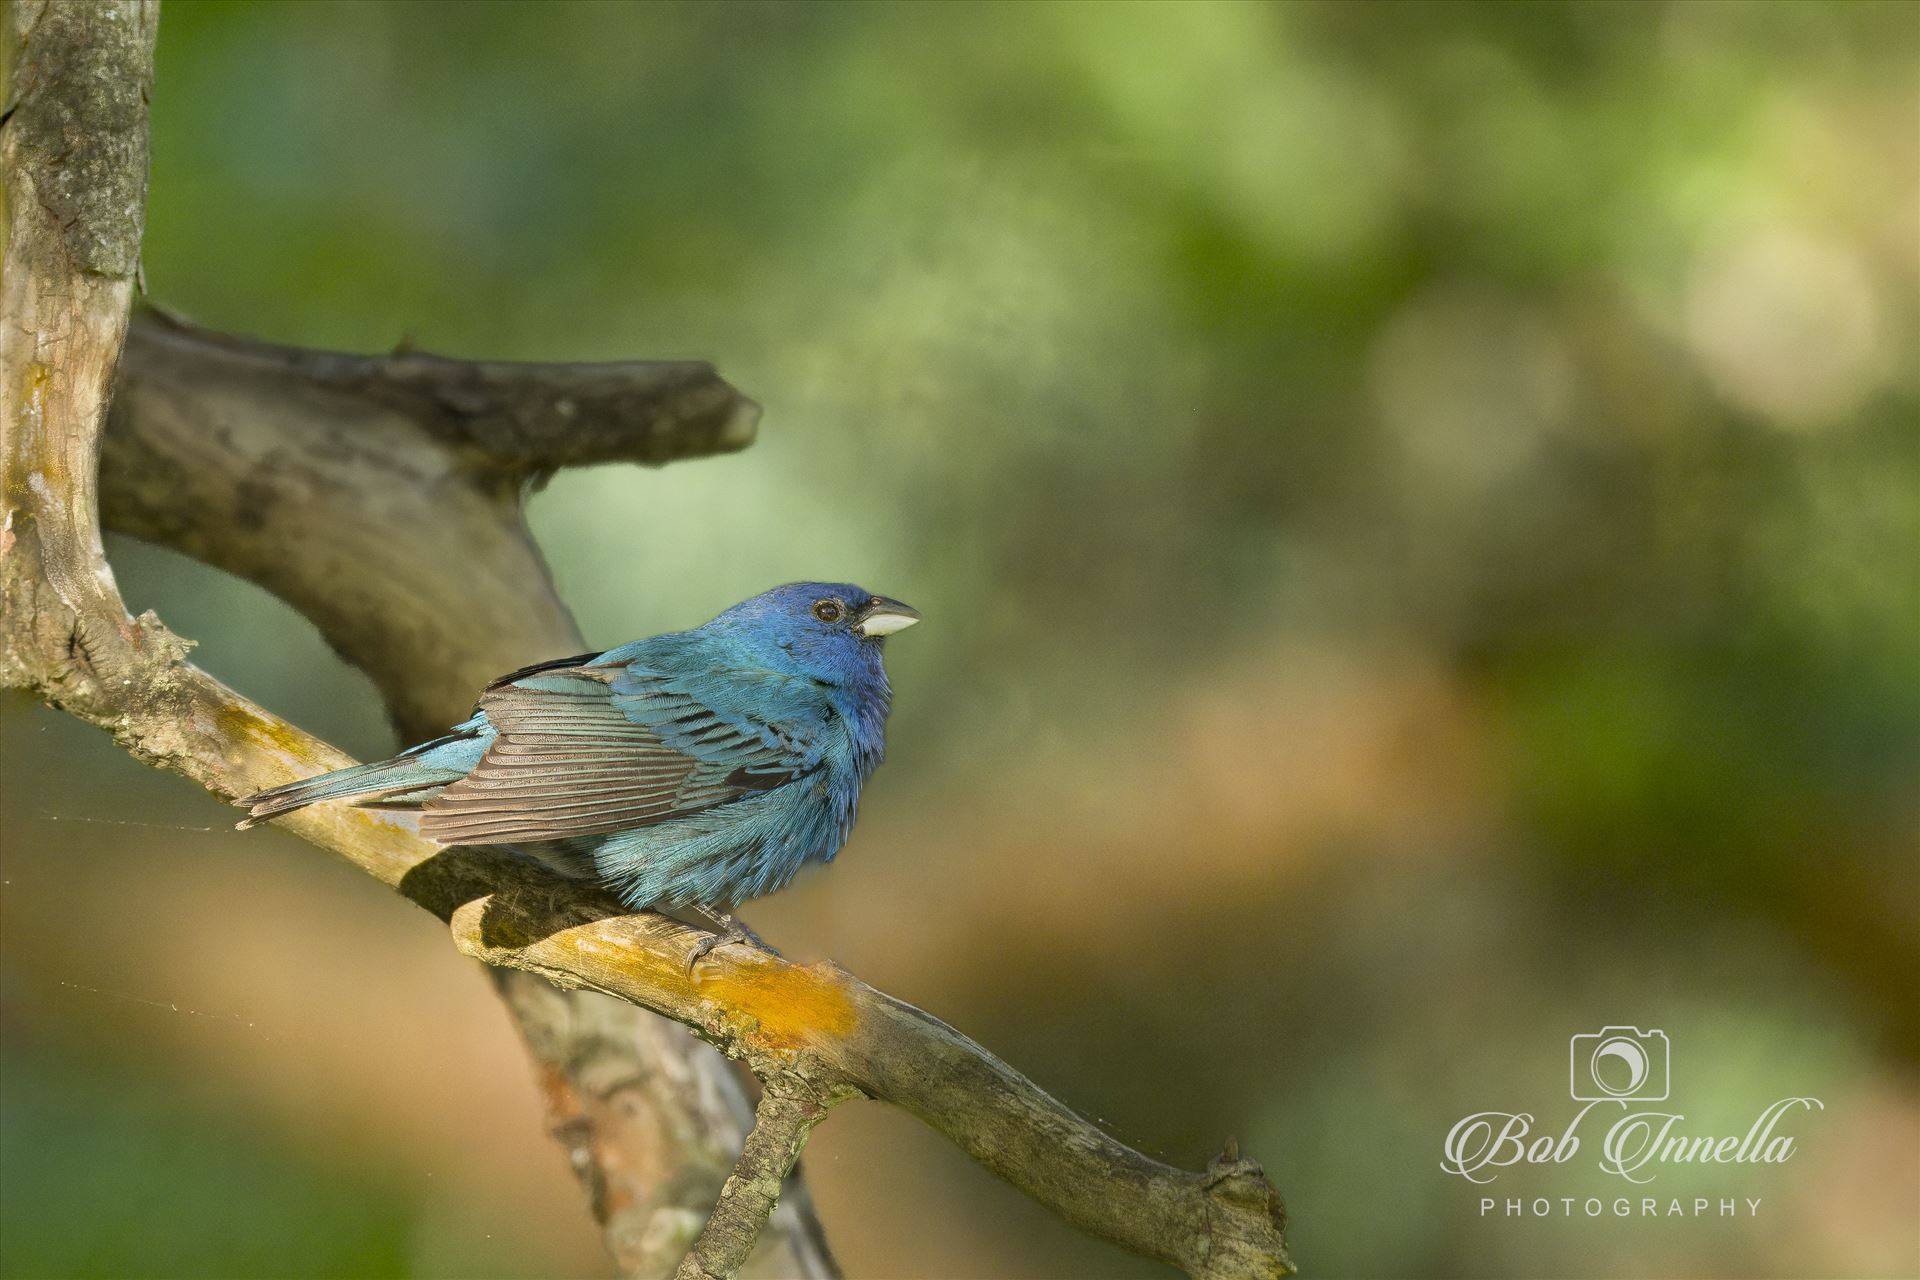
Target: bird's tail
(410, 778)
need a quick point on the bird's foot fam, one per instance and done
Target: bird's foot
(729, 931)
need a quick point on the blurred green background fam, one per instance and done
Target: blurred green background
(1418, 513)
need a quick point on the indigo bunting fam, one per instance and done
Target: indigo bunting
(696, 769)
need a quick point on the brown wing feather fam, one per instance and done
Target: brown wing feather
(566, 763)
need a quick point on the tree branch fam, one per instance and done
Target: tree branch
(397, 540)
(382, 520)
(512, 419)
(780, 1127)
(810, 1032)
(352, 489)
(651, 1119)
(822, 1026)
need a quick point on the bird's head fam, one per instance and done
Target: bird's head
(829, 631)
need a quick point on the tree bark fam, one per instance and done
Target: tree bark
(380, 496)
(780, 1128)
(365, 491)
(387, 477)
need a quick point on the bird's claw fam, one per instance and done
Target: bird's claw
(706, 943)
(732, 933)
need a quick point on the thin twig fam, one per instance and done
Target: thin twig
(781, 1124)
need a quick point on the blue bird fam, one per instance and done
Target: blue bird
(696, 769)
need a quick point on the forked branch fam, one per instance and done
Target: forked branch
(814, 1035)
(265, 461)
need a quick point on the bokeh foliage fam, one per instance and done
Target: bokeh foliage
(1417, 510)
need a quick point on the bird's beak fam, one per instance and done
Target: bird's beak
(883, 617)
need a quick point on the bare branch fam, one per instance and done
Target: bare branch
(400, 536)
(780, 1128)
(416, 565)
(811, 1032)
(651, 1119)
(504, 418)
(74, 157)
(395, 533)
(821, 1025)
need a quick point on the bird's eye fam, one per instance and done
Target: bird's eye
(828, 611)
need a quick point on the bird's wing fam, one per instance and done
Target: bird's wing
(590, 750)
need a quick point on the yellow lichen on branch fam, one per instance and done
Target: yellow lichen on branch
(73, 156)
